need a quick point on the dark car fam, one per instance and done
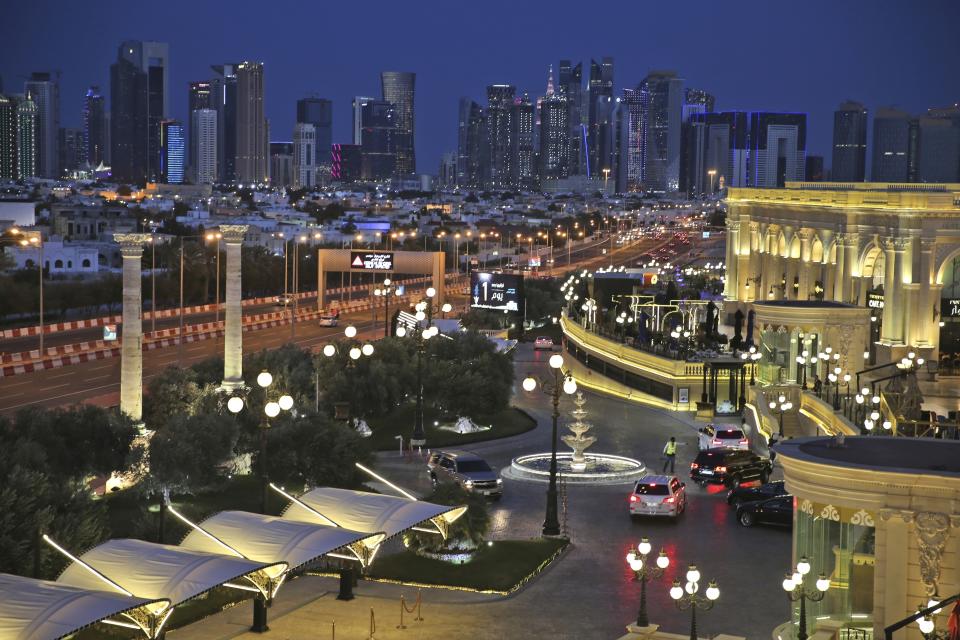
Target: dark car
(468, 470)
(731, 467)
(742, 495)
(776, 511)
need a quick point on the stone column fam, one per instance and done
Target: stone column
(805, 265)
(233, 318)
(731, 284)
(837, 285)
(893, 307)
(131, 348)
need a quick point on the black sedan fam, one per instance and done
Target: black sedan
(741, 495)
(775, 511)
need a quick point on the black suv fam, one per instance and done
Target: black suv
(730, 467)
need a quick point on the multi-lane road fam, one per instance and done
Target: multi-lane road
(99, 380)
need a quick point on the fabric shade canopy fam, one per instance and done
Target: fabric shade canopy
(42, 610)
(271, 539)
(363, 511)
(151, 570)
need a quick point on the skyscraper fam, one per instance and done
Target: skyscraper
(281, 164)
(346, 162)
(319, 113)
(252, 143)
(717, 143)
(377, 132)
(94, 128)
(630, 164)
(778, 143)
(814, 169)
(173, 152)
(304, 155)
(891, 145)
(447, 173)
(849, 143)
(599, 134)
(661, 109)
(471, 138)
(8, 138)
(70, 145)
(138, 104)
(570, 85)
(358, 103)
(499, 127)
(198, 97)
(44, 89)
(203, 145)
(397, 88)
(697, 101)
(223, 90)
(521, 144)
(26, 139)
(936, 146)
(554, 137)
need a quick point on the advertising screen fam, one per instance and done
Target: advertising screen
(371, 261)
(498, 291)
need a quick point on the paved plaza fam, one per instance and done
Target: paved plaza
(588, 592)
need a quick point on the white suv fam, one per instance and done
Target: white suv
(658, 496)
(722, 436)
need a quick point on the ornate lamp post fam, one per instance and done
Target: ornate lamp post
(643, 572)
(686, 597)
(355, 351)
(419, 437)
(928, 625)
(554, 387)
(781, 405)
(793, 585)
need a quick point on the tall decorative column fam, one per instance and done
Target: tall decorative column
(731, 283)
(836, 285)
(893, 308)
(233, 318)
(921, 328)
(131, 349)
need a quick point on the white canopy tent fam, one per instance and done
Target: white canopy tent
(363, 511)
(43, 610)
(272, 539)
(149, 570)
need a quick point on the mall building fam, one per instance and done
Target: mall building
(871, 270)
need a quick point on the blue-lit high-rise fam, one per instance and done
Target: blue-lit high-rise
(172, 151)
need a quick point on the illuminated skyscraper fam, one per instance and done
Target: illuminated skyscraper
(223, 91)
(471, 141)
(849, 143)
(378, 129)
(778, 148)
(554, 137)
(94, 128)
(26, 139)
(8, 138)
(499, 129)
(304, 155)
(521, 144)
(138, 104)
(661, 110)
(599, 133)
(630, 168)
(346, 162)
(252, 144)
(203, 145)
(319, 113)
(173, 152)
(358, 103)
(44, 89)
(570, 86)
(891, 145)
(199, 96)
(397, 88)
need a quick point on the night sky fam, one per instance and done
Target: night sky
(772, 54)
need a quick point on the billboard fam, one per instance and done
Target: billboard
(497, 291)
(371, 261)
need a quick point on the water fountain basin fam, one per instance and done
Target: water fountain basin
(597, 468)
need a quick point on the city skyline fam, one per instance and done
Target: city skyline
(866, 69)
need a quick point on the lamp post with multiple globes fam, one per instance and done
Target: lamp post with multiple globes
(780, 406)
(643, 571)
(796, 591)
(687, 597)
(355, 351)
(553, 386)
(385, 291)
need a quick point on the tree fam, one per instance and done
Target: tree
(316, 451)
(187, 452)
(174, 392)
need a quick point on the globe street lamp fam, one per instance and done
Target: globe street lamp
(686, 597)
(642, 572)
(354, 350)
(386, 291)
(781, 405)
(927, 623)
(419, 437)
(793, 585)
(553, 387)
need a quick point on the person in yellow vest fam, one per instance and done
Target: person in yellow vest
(670, 454)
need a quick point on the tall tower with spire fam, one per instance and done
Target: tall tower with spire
(550, 80)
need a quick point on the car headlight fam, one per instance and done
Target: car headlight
(468, 483)
(499, 481)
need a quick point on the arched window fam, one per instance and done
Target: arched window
(58, 264)
(69, 264)
(86, 263)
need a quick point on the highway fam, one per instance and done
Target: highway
(98, 381)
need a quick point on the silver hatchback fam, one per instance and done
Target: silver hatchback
(658, 496)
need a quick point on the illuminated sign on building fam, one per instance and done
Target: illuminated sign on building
(875, 300)
(498, 291)
(369, 261)
(950, 307)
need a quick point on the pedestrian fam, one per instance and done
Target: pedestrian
(770, 444)
(670, 454)
(817, 385)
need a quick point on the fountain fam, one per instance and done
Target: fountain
(577, 466)
(578, 441)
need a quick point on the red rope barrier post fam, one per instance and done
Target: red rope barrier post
(403, 608)
(419, 617)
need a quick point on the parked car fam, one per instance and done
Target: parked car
(468, 470)
(658, 496)
(777, 511)
(742, 495)
(731, 467)
(543, 342)
(720, 435)
(331, 319)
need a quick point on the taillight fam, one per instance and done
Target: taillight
(721, 469)
(694, 465)
(716, 442)
(633, 498)
(743, 441)
(669, 500)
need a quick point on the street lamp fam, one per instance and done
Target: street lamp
(215, 236)
(419, 437)
(643, 572)
(927, 624)
(553, 387)
(354, 351)
(793, 585)
(781, 405)
(802, 368)
(386, 291)
(686, 597)
(35, 239)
